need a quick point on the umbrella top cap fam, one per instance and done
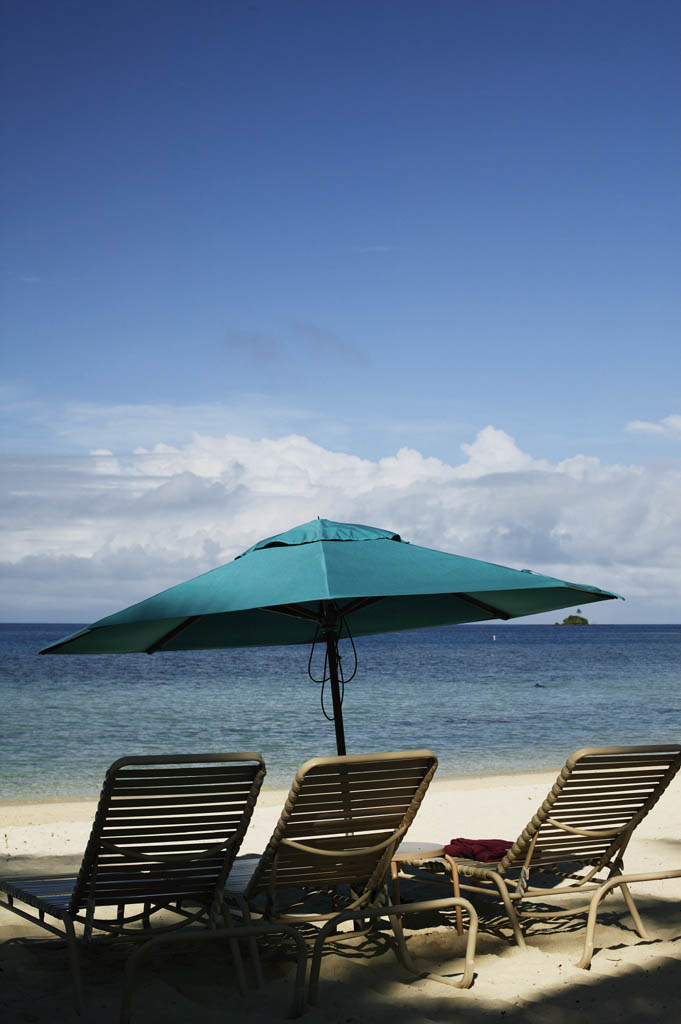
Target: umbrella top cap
(322, 530)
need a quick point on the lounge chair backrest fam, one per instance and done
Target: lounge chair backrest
(167, 828)
(342, 821)
(597, 801)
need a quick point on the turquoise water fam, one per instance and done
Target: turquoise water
(522, 701)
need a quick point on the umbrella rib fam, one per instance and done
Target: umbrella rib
(495, 612)
(298, 612)
(293, 611)
(171, 634)
(357, 604)
(65, 643)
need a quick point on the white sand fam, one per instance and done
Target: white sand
(630, 980)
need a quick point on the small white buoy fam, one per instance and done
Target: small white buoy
(493, 636)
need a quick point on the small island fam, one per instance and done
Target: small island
(574, 620)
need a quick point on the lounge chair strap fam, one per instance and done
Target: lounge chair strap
(523, 881)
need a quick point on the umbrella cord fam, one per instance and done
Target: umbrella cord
(325, 675)
(345, 626)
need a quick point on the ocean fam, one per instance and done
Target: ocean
(486, 698)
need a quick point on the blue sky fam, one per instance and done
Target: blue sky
(374, 225)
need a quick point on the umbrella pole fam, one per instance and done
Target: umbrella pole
(332, 654)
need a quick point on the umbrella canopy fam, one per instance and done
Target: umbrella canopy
(312, 581)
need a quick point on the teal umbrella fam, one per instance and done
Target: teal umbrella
(318, 581)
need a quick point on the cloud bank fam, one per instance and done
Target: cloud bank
(87, 535)
(670, 426)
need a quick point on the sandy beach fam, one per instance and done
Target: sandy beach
(630, 979)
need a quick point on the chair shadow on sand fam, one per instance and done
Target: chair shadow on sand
(364, 982)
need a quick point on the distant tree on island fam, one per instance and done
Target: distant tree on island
(574, 620)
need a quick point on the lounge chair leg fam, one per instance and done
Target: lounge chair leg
(404, 956)
(395, 877)
(252, 944)
(236, 952)
(457, 892)
(588, 951)
(402, 953)
(298, 1002)
(393, 913)
(633, 910)
(510, 909)
(469, 972)
(596, 900)
(74, 962)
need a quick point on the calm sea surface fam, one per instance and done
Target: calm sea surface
(522, 701)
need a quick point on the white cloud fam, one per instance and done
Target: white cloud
(670, 426)
(85, 535)
(493, 451)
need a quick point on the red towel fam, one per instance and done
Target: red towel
(478, 849)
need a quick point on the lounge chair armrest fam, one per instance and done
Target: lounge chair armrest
(132, 853)
(589, 833)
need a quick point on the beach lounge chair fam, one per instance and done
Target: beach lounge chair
(332, 846)
(576, 841)
(165, 834)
